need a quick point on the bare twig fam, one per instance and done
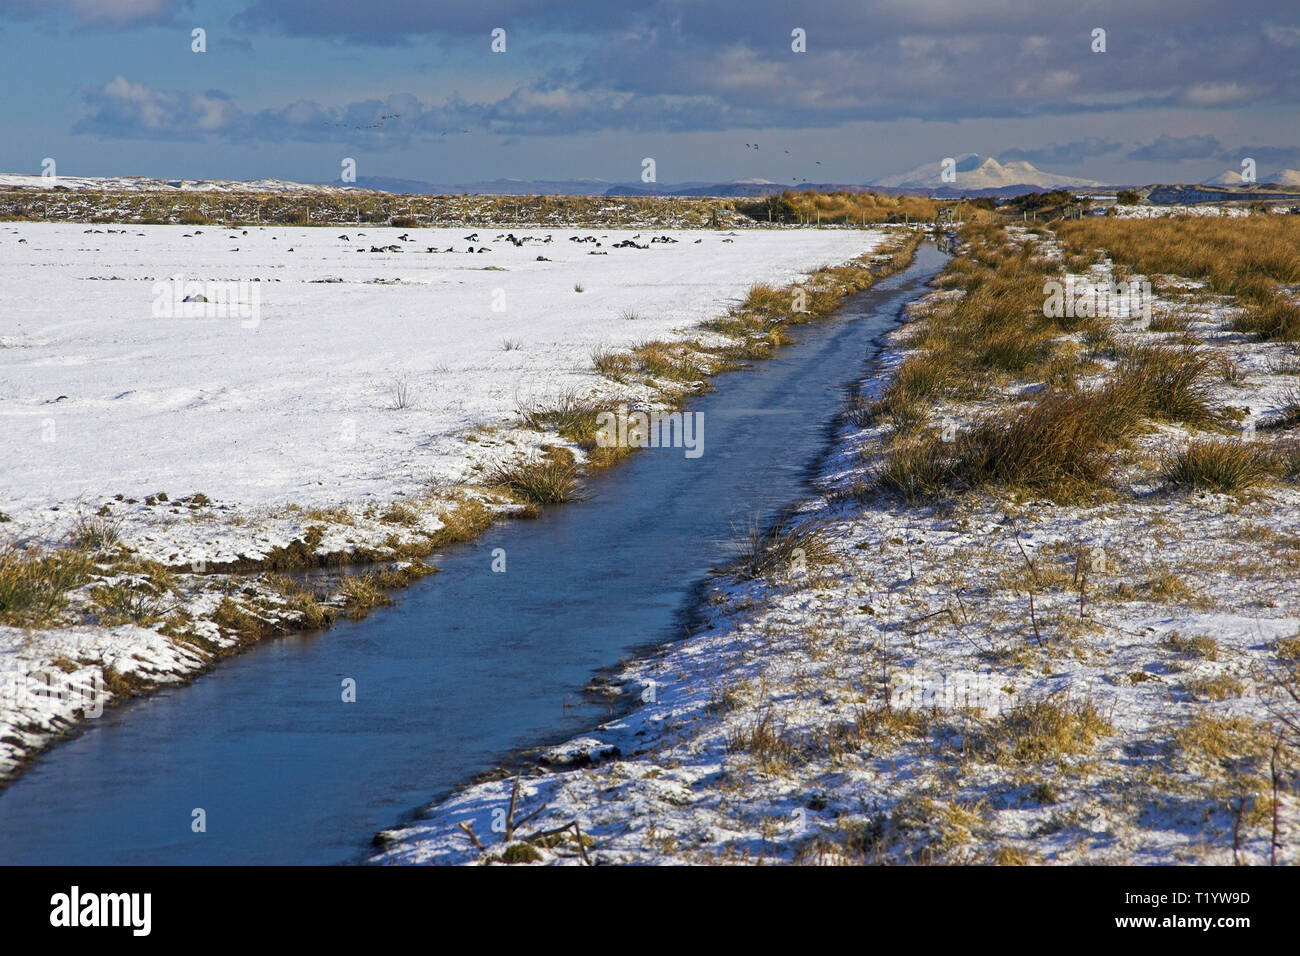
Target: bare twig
(469, 830)
(1032, 570)
(1034, 620)
(1272, 768)
(1236, 831)
(581, 846)
(510, 814)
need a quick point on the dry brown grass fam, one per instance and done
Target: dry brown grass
(542, 481)
(1228, 467)
(841, 206)
(34, 583)
(1242, 257)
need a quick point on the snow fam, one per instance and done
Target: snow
(100, 397)
(921, 604)
(283, 416)
(975, 172)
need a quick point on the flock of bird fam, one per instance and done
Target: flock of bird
(385, 117)
(519, 242)
(472, 238)
(793, 179)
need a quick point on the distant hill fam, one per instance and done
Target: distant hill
(974, 172)
(976, 177)
(488, 187)
(1229, 177)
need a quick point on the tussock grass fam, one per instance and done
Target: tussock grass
(1223, 743)
(538, 481)
(362, 593)
(572, 417)
(400, 395)
(231, 616)
(1198, 645)
(612, 364)
(1219, 687)
(467, 519)
(1059, 446)
(121, 602)
(306, 602)
(1048, 729)
(787, 544)
(1228, 467)
(94, 533)
(34, 583)
(398, 513)
(675, 361)
(1167, 384)
(1286, 459)
(767, 300)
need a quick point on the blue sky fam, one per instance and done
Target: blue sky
(587, 89)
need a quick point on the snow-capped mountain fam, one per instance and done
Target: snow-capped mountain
(1229, 177)
(979, 172)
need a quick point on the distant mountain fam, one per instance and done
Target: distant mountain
(737, 188)
(975, 177)
(974, 172)
(488, 187)
(1229, 177)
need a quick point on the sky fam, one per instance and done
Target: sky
(1183, 89)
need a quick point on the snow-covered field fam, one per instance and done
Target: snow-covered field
(354, 369)
(894, 704)
(99, 396)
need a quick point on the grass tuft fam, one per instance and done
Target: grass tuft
(1227, 467)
